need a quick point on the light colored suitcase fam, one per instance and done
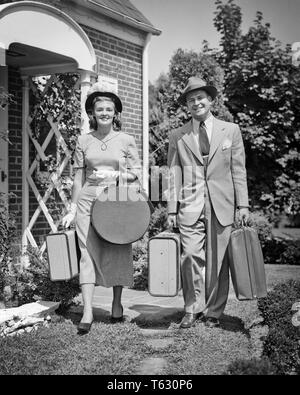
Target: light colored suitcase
(63, 255)
(164, 264)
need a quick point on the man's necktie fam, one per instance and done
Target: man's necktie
(203, 139)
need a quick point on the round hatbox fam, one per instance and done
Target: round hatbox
(121, 214)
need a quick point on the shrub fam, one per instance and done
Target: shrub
(262, 225)
(253, 366)
(33, 283)
(158, 221)
(7, 234)
(140, 264)
(282, 345)
(282, 251)
(291, 254)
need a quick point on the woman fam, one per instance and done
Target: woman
(101, 157)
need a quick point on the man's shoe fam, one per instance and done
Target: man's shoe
(212, 322)
(188, 320)
(200, 316)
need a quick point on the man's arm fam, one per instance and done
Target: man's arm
(239, 176)
(175, 180)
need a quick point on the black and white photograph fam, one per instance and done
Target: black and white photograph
(149, 190)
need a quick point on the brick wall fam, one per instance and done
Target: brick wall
(15, 146)
(122, 60)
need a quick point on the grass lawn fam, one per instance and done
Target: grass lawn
(107, 349)
(120, 349)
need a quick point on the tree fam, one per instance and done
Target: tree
(262, 90)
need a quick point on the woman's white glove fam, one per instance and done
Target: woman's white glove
(106, 175)
(70, 217)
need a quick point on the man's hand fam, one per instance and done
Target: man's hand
(172, 221)
(243, 215)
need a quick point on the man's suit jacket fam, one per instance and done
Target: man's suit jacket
(225, 176)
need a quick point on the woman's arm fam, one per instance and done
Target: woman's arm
(78, 182)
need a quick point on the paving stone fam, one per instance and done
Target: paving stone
(157, 332)
(159, 344)
(152, 366)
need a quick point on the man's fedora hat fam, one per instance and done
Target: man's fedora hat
(96, 90)
(195, 83)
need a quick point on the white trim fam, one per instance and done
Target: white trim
(145, 137)
(48, 69)
(25, 168)
(49, 25)
(85, 84)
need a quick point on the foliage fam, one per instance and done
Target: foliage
(262, 225)
(140, 264)
(59, 98)
(281, 251)
(262, 89)
(158, 221)
(5, 99)
(7, 235)
(33, 283)
(251, 367)
(282, 345)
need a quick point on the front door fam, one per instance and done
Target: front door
(3, 134)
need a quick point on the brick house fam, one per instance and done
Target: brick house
(97, 39)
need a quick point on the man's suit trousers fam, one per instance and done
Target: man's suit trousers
(204, 265)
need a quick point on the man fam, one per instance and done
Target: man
(207, 191)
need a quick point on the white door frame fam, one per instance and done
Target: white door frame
(4, 128)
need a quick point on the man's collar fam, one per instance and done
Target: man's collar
(196, 123)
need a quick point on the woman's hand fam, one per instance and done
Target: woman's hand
(68, 220)
(172, 221)
(70, 217)
(106, 175)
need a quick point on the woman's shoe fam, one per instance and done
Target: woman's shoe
(114, 320)
(84, 327)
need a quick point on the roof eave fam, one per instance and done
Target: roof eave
(124, 18)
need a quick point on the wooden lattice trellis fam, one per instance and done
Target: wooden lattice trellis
(55, 178)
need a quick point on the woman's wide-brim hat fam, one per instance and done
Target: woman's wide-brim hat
(195, 83)
(98, 89)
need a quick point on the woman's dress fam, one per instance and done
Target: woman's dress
(102, 263)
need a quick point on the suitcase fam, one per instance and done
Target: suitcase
(121, 214)
(246, 264)
(63, 255)
(164, 264)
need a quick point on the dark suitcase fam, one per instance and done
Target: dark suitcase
(63, 255)
(247, 264)
(164, 264)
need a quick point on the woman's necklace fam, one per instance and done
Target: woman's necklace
(103, 146)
